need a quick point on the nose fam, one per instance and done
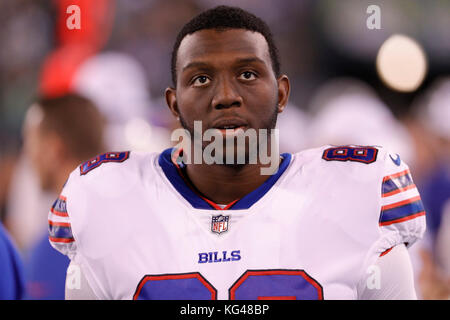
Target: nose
(226, 95)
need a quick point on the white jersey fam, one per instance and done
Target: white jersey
(311, 231)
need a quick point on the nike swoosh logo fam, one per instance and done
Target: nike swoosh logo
(397, 161)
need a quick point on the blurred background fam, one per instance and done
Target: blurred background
(358, 76)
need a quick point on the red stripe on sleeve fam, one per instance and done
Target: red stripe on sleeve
(386, 223)
(59, 224)
(396, 175)
(63, 240)
(400, 203)
(59, 213)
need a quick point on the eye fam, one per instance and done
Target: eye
(247, 76)
(200, 81)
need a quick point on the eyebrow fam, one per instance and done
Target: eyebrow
(196, 64)
(249, 60)
(204, 65)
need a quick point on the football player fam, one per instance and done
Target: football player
(70, 130)
(329, 223)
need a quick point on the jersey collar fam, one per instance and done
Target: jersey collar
(173, 171)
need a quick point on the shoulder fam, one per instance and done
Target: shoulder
(111, 163)
(369, 175)
(355, 172)
(111, 169)
(372, 165)
(350, 160)
(344, 153)
(109, 176)
(365, 158)
(101, 160)
(93, 192)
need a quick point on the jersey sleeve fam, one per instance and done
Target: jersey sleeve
(59, 223)
(402, 214)
(391, 277)
(84, 192)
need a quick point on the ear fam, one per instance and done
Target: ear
(52, 154)
(59, 149)
(171, 100)
(284, 88)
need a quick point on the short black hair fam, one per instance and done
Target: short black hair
(222, 18)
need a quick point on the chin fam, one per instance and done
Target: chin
(45, 185)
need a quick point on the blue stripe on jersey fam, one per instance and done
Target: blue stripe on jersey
(61, 232)
(60, 205)
(171, 172)
(397, 183)
(401, 211)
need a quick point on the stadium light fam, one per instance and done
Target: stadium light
(401, 63)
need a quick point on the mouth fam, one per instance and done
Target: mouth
(229, 125)
(230, 129)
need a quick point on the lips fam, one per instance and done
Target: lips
(229, 123)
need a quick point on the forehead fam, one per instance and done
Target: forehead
(221, 46)
(33, 117)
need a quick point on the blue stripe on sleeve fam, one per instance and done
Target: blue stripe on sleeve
(402, 211)
(60, 232)
(396, 183)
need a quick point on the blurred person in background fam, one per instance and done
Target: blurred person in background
(347, 111)
(114, 81)
(430, 125)
(45, 68)
(145, 29)
(12, 282)
(290, 122)
(59, 134)
(25, 219)
(117, 84)
(8, 159)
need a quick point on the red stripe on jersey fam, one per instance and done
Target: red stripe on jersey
(386, 251)
(303, 274)
(59, 213)
(386, 223)
(230, 204)
(64, 240)
(412, 186)
(194, 275)
(400, 203)
(396, 175)
(278, 298)
(215, 206)
(59, 224)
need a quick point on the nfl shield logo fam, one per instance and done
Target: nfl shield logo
(219, 224)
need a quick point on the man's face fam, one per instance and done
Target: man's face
(225, 79)
(41, 148)
(36, 149)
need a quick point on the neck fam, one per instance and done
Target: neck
(62, 175)
(224, 184)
